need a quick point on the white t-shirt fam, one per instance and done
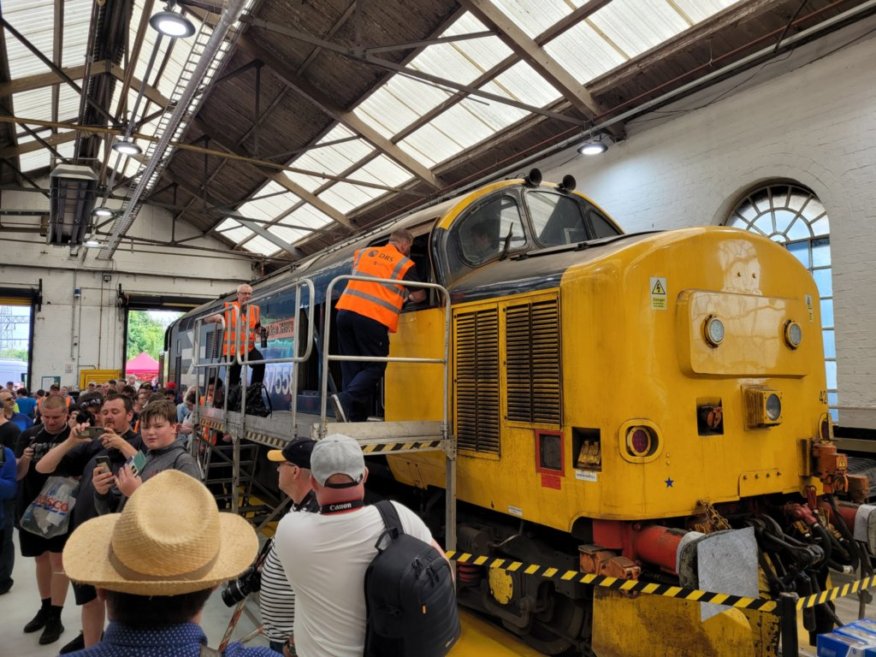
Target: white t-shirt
(325, 558)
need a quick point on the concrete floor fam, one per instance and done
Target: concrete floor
(21, 603)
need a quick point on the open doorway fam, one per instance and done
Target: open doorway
(144, 343)
(15, 341)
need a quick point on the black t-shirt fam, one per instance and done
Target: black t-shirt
(81, 460)
(9, 434)
(32, 483)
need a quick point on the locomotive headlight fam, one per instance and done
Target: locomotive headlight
(713, 330)
(773, 407)
(763, 406)
(793, 334)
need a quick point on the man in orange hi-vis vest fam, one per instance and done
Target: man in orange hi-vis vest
(367, 313)
(235, 312)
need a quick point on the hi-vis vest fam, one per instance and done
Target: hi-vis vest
(381, 302)
(232, 312)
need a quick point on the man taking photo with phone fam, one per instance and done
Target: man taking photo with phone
(105, 447)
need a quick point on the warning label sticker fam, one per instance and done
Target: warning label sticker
(658, 292)
(809, 308)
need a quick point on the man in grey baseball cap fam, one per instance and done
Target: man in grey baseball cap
(325, 555)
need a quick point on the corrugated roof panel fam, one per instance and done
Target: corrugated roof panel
(429, 145)
(77, 16)
(307, 215)
(462, 126)
(635, 26)
(700, 10)
(259, 244)
(333, 159)
(233, 231)
(66, 149)
(289, 235)
(269, 207)
(494, 114)
(522, 83)
(384, 171)
(35, 20)
(584, 53)
(68, 103)
(34, 160)
(534, 17)
(486, 52)
(446, 61)
(346, 197)
(398, 103)
(310, 183)
(33, 104)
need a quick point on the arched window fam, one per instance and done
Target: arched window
(792, 215)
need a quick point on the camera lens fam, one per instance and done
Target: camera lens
(234, 592)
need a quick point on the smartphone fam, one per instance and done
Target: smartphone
(94, 432)
(137, 462)
(102, 462)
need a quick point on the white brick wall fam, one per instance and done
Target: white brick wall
(815, 124)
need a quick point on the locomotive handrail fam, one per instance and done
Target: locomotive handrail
(328, 357)
(449, 448)
(196, 364)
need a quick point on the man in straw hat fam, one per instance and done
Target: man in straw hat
(325, 555)
(156, 563)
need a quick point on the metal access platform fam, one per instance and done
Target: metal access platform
(277, 429)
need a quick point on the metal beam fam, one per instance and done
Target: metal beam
(529, 51)
(268, 235)
(40, 80)
(149, 91)
(413, 73)
(286, 75)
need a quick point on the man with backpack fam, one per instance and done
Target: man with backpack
(339, 574)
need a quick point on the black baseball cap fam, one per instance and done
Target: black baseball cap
(296, 452)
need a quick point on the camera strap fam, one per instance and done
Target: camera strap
(340, 507)
(207, 651)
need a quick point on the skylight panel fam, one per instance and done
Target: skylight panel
(259, 244)
(486, 51)
(400, 102)
(346, 197)
(288, 235)
(35, 20)
(67, 149)
(307, 215)
(584, 53)
(310, 183)
(534, 17)
(523, 84)
(429, 145)
(34, 160)
(445, 61)
(700, 10)
(635, 27)
(33, 104)
(231, 230)
(495, 115)
(383, 170)
(68, 103)
(77, 16)
(462, 126)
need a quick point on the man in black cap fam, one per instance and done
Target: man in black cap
(276, 599)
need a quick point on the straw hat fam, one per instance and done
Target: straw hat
(169, 539)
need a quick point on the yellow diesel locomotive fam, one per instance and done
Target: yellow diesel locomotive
(648, 406)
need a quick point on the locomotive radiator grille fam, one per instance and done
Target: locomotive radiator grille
(476, 376)
(532, 347)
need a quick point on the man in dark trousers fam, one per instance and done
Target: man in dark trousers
(367, 314)
(79, 456)
(32, 445)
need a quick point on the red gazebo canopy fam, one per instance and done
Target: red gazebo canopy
(142, 366)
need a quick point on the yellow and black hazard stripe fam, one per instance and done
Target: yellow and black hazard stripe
(627, 585)
(264, 439)
(411, 446)
(831, 594)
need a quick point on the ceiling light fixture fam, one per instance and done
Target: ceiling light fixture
(171, 24)
(593, 146)
(103, 212)
(126, 147)
(91, 244)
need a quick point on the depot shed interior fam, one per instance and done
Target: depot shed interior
(278, 128)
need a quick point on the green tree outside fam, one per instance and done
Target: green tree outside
(146, 331)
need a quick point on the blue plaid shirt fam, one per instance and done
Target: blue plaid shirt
(174, 641)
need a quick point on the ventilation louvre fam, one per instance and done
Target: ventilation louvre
(532, 346)
(476, 375)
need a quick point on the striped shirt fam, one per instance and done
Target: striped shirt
(276, 599)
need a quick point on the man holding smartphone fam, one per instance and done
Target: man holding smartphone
(90, 449)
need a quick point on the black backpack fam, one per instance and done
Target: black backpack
(255, 400)
(410, 595)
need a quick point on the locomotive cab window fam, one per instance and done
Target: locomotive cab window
(559, 219)
(489, 231)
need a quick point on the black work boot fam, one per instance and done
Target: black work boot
(76, 644)
(54, 628)
(38, 622)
